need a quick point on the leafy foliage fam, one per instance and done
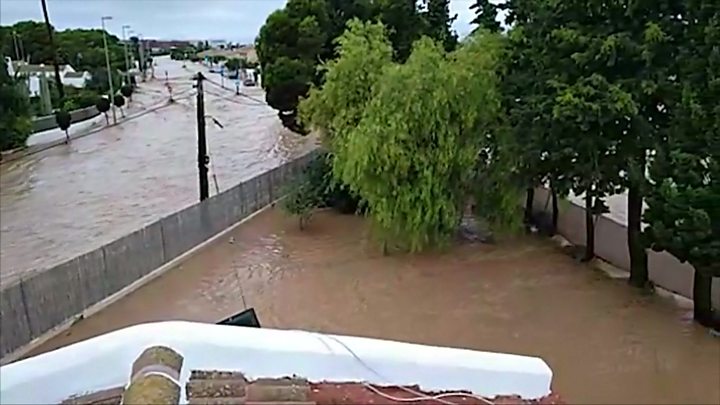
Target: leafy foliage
(63, 119)
(103, 105)
(439, 23)
(336, 108)
(234, 64)
(81, 48)
(289, 46)
(406, 137)
(683, 210)
(485, 15)
(119, 100)
(15, 125)
(298, 38)
(126, 90)
(316, 188)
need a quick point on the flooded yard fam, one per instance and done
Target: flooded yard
(605, 342)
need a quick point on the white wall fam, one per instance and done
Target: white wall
(105, 362)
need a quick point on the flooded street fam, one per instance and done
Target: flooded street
(605, 342)
(70, 199)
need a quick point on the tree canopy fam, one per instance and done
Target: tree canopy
(15, 125)
(295, 40)
(81, 48)
(406, 137)
(684, 194)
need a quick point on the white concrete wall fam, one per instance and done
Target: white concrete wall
(611, 245)
(105, 362)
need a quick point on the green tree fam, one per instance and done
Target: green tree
(15, 124)
(235, 64)
(63, 119)
(592, 109)
(683, 211)
(120, 103)
(289, 46)
(336, 108)
(103, 105)
(439, 23)
(393, 145)
(81, 48)
(529, 101)
(486, 15)
(127, 91)
(404, 23)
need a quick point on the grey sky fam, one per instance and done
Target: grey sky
(233, 20)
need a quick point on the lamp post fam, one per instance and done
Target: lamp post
(109, 72)
(126, 78)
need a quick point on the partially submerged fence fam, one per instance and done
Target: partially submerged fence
(48, 122)
(39, 302)
(611, 245)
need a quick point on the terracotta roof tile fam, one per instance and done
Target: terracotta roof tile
(298, 391)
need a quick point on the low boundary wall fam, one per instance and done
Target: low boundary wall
(48, 122)
(611, 245)
(35, 304)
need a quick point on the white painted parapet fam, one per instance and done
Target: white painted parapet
(105, 361)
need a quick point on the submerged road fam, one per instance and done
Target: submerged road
(70, 199)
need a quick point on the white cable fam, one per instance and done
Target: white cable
(419, 395)
(437, 397)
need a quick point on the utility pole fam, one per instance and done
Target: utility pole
(109, 71)
(22, 49)
(58, 82)
(126, 78)
(142, 57)
(16, 46)
(203, 159)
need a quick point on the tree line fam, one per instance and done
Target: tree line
(83, 49)
(591, 98)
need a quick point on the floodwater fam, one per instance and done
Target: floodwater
(605, 342)
(71, 199)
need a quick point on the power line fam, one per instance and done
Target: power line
(257, 100)
(233, 100)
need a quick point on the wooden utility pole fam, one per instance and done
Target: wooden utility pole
(58, 81)
(202, 143)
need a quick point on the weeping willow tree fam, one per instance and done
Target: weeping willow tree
(408, 138)
(336, 109)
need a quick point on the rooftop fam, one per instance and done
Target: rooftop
(28, 68)
(75, 75)
(185, 362)
(233, 388)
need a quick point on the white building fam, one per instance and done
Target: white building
(68, 75)
(218, 43)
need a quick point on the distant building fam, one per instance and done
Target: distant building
(218, 43)
(157, 46)
(246, 52)
(32, 73)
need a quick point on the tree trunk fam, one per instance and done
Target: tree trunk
(702, 301)
(638, 256)
(555, 211)
(67, 136)
(107, 120)
(589, 228)
(529, 206)
(122, 112)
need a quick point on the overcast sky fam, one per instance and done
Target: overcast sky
(233, 20)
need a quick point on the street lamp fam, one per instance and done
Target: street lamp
(127, 62)
(109, 72)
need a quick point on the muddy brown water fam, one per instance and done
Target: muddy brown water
(71, 199)
(604, 342)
